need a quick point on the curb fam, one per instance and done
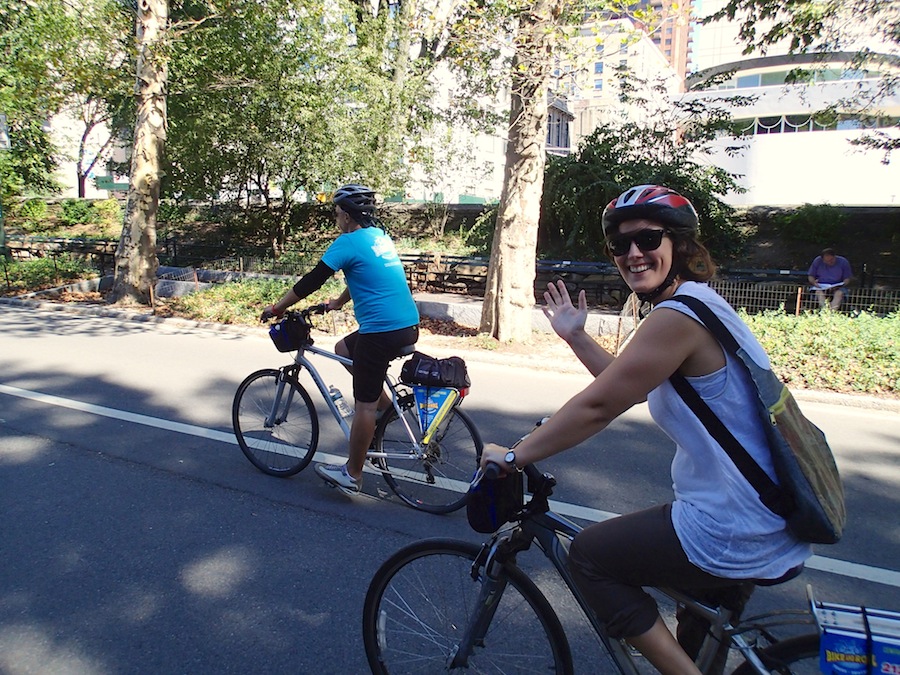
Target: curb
(455, 309)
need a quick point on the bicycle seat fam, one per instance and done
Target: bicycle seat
(405, 351)
(787, 576)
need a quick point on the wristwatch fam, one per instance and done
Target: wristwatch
(510, 459)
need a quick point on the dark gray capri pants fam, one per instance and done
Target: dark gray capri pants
(612, 560)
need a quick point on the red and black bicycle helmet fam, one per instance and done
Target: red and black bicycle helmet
(653, 202)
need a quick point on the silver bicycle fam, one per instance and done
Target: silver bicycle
(448, 606)
(425, 447)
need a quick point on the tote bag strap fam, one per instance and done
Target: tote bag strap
(769, 492)
(712, 322)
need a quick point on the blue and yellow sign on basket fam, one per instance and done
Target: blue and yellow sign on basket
(433, 405)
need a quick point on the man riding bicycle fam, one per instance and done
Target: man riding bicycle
(385, 311)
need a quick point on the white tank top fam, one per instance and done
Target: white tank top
(718, 517)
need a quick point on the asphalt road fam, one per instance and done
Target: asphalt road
(136, 538)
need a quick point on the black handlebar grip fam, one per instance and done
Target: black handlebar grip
(492, 471)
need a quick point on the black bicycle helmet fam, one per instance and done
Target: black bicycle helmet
(653, 202)
(355, 198)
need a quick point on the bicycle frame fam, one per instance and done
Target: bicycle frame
(553, 534)
(301, 362)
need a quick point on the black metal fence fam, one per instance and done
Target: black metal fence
(752, 289)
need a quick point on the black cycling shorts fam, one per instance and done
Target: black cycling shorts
(371, 354)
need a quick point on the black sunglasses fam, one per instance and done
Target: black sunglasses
(646, 240)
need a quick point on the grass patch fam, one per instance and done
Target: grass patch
(241, 302)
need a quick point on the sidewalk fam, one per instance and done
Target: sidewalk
(466, 311)
(551, 353)
(544, 352)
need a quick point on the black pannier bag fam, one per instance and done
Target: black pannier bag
(432, 372)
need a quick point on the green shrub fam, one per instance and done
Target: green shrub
(832, 351)
(109, 211)
(175, 214)
(78, 212)
(813, 223)
(481, 235)
(40, 273)
(33, 216)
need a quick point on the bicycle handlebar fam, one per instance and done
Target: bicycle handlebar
(491, 471)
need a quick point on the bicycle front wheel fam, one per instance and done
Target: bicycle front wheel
(793, 656)
(437, 479)
(278, 432)
(423, 601)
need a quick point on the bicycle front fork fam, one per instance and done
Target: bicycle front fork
(278, 414)
(493, 583)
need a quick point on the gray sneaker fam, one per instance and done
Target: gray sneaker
(338, 477)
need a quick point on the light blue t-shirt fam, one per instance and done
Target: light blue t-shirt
(374, 274)
(722, 525)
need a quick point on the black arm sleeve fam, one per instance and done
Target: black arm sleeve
(313, 280)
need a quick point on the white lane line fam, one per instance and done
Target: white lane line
(817, 562)
(146, 420)
(103, 411)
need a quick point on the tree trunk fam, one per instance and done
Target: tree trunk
(509, 293)
(136, 261)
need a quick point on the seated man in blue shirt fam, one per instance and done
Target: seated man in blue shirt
(385, 311)
(829, 273)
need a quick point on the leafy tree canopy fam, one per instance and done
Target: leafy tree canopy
(662, 146)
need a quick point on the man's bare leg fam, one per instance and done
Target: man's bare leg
(361, 432)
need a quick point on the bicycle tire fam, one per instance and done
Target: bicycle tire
(421, 601)
(436, 483)
(796, 655)
(285, 448)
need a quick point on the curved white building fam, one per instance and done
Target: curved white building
(794, 156)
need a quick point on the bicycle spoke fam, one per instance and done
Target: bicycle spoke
(437, 477)
(281, 446)
(421, 604)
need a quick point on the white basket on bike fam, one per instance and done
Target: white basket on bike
(857, 639)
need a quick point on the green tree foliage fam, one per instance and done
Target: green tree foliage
(665, 146)
(58, 57)
(286, 97)
(99, 82)
(28, 167)
(28, 94)
(817, 223)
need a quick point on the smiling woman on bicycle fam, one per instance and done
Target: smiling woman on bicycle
(385, 311)
(717, 530)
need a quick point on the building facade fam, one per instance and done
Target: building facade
(796, 154)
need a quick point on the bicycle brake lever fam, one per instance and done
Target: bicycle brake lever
(490, 472)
